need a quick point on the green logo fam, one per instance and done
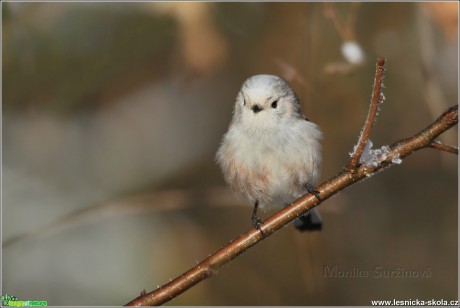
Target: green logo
(12, 301)
(7, 298)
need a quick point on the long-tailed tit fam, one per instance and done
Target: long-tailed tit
(271, 152)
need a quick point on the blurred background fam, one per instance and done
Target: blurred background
(113, 112)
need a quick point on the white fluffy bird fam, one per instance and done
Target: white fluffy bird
(271, 152)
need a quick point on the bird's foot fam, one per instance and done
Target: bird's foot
(312, 190)
(256, 222)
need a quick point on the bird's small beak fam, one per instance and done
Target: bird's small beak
(256, 108)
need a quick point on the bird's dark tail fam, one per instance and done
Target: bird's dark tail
(309, 222)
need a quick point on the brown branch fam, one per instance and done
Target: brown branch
(344, 179)
(377, 99)
(442, 147)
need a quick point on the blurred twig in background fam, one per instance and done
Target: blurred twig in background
(346, 29)
(354, 173)
(351, 49)
(202, 47)
(157, 202)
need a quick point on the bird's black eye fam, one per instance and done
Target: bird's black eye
(275, 104)
(244, 102)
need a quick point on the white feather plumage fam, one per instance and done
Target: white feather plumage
(269, 155)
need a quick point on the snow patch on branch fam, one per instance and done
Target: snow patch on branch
(396, 160)
(373, 157)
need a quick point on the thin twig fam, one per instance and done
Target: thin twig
(377, 99)
(442, 147)
(344, 179)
